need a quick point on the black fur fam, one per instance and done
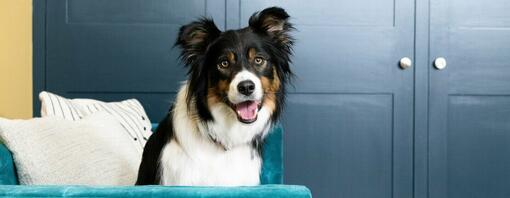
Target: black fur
(148, 171)
(203, 46)
(279, 46)
(194, 40)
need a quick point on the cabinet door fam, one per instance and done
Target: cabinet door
(469, 128)
(348, 121)
(119, 49)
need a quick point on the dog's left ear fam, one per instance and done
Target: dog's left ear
(273, 21)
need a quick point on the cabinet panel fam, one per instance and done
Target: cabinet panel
(334, 13)
(109, 49)
(469, 106)
(340, 144)
(133, 11)
(480, 14)
(477, 146)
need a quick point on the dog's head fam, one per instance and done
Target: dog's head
(244, 69)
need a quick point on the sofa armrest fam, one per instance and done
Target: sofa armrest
(7, 171)
(280, 191)
(272, 154)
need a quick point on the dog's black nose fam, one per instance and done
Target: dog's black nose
(246, 87)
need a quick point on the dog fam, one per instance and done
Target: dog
(235, 92)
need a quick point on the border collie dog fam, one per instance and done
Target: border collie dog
(235, 91)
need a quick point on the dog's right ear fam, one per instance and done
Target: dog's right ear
(195, 37)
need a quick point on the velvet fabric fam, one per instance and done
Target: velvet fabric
(7, 171)
(271, 177)
(273, 191)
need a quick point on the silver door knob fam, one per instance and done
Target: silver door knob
(440, 63)
(405, 63)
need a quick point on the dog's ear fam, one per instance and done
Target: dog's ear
(273, 21)
(195, 37)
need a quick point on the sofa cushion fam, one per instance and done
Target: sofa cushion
(92, 151)
(130, 113)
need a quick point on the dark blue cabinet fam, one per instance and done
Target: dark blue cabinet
(356, 124)
(470, 99)
(119, 49)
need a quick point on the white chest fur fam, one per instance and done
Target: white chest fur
(195, 160)
(218, 168)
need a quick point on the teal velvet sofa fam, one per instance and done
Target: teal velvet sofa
(271, 179)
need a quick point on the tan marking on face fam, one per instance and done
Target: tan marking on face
(270, 102)
(223, 86)
(212, 97)
(266, 84)
(231, 57)
(276, 81)
(214, 94)
(269, 94)
(251, 54)
(271, 87)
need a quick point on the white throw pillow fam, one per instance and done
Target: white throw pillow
(130, 113)
(91, 151)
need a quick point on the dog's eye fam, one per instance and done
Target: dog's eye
(259, 60)
(223, 64)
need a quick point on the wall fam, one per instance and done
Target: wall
(16, 58)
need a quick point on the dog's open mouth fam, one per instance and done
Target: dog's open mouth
(247, 111)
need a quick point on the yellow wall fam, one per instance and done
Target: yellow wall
(16, 58)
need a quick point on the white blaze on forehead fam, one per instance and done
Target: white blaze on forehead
(233, 94)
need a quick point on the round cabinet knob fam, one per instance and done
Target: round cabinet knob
(405, 63)
(440, 63)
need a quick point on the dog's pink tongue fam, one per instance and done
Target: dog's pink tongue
(247, 110)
